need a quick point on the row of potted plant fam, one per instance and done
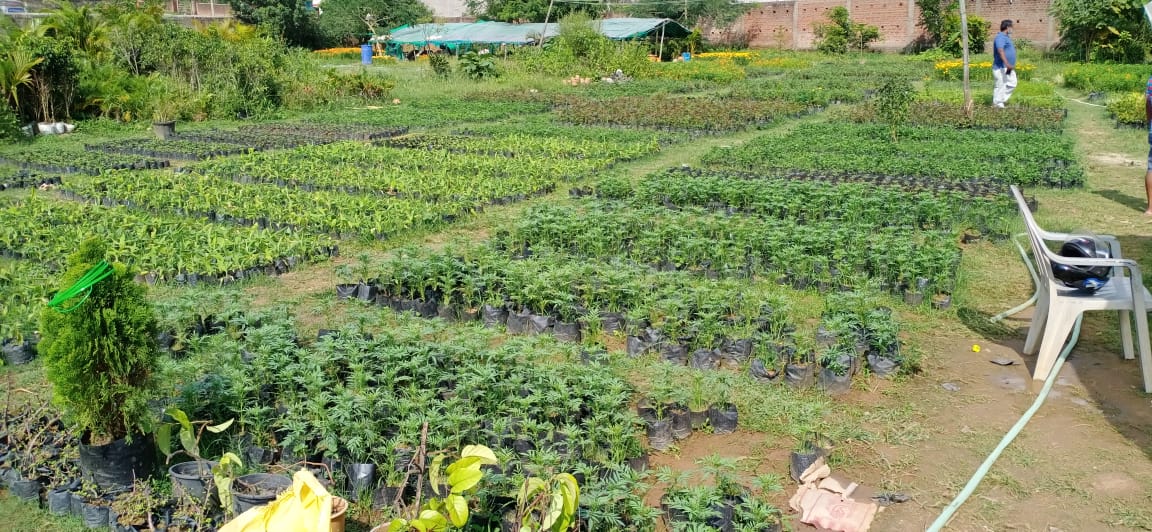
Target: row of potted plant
(521, 144)
(810, 201)
(935, 113)
(272, 136)
(167, 149)
(26, 179)
(1013, 157)
(164, 247)
(677, 113)
(66, 161)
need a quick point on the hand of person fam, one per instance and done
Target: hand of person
(1008, 71)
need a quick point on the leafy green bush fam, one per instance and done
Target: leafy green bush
(9, 125)
(841, 34)
(579, 49)
(440, 65)
(1107, 78)
(1128, 108)
(101, 356)
(478, 66)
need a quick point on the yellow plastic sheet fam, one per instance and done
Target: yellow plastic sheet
(307, 507)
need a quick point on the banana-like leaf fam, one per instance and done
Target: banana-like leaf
(217, 429)
(434, 474)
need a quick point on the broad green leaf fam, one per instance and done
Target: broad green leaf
(433, 520)
(398, 525)
(555, 509)
(462, 463)
(217, 429)
(457, 510)
(485, 454)
(464, 479)
(180, 417)
(529, 488)
(434, 474)
(164, 439)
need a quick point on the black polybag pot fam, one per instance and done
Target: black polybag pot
(59, 502)
(361, 478)
(117, 464)
(882, 366)
(723, 418)
(698, 418)
(192, 479)
(446, 312)
(705, 359)
(426, 308)
(518, 322)
(636, 346)
(538, 324)
(736, 350)
(801, 460)
(611, 322)
(799, 375)
(259, 455)
(639, 464)
(681, 422)
(365, 292)
(384, 497)
(660, 434)
(492, 316)
(674, 353)
(722, 517)
(17, 353)
(566, 332)
(94, 516)
(26, 490)
(761, 372)
(269, 486)
(834, 384)
(345, 291)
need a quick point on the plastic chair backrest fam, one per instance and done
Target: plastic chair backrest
(1040, 251)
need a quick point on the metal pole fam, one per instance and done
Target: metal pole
(660, 54)
(544, 32)
(964, 44)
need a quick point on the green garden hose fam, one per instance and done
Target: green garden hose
(946, 516)
(84, 285)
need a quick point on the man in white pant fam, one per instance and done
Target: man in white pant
(1003, 65)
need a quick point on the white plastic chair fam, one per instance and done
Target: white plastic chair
(1058, 306)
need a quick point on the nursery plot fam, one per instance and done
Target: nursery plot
(25, 179)
(983, 117)
(809, 92)
(265, 206)
(280, 136)
(520, 145)
(829, 254)
(167, 149)
(1036, 159)
(548, 126)
(429, 113)
(24, 289)
(677, 114)
(66, 161)
(165, 248)
(433, 175)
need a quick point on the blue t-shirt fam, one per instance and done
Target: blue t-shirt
(1003, 41)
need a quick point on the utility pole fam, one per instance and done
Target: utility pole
(964, 45)
(548, 15)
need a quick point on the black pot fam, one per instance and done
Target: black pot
(59, 502)
(681, 422)
(384, 497)
(117, 464)
(723, 418)
(636, 346)
(801, 460)
(259, 455)
(705, 359)
(18, 353)
(799, 375)
(611, 322)
(698, 418)
(425, 308)
(882, 366)
(192, 479)
(538, 324)
(94, 516)
(674, 353)
(446, 312)
(639, 464)
(345, 291)
(26, 490)
(913, 299)
(361, 478)
(736, 350)
(269, 487)
(365, 292)
(660, 434)
(518, 322)
(761, 372)
(567, 332)
(492, 316)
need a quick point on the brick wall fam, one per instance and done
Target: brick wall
(789, 23)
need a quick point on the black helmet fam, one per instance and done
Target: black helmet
(1085, 278)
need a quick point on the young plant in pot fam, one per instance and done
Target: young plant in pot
(723, 415)
(462, 479)
(698, 402)
(836, 365)
(799, 368)
(92, 508)
(165, 111)
(136, 509)
(100, 355)
(192, 479)
(548, 504)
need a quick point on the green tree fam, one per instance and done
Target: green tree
(840, 34)
(288, 20)
(1103, 30)
(343, 20)
(101, 355)
(526, 10)
(941, 22)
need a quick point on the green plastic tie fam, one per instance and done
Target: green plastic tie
(84, 285)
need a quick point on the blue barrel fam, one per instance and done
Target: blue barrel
(687, 56)
(366, 54)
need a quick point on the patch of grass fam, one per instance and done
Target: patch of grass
(19, 516)
(1131, 517)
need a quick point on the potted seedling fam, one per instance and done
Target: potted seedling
(165, 111)
(100, 356)
(722, 415)
(698, 402)
(189, 479)
(134, 509)
(836, 368)
(799, 370)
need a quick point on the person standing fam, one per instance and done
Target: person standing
(1148, 118)
(1003, 65)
